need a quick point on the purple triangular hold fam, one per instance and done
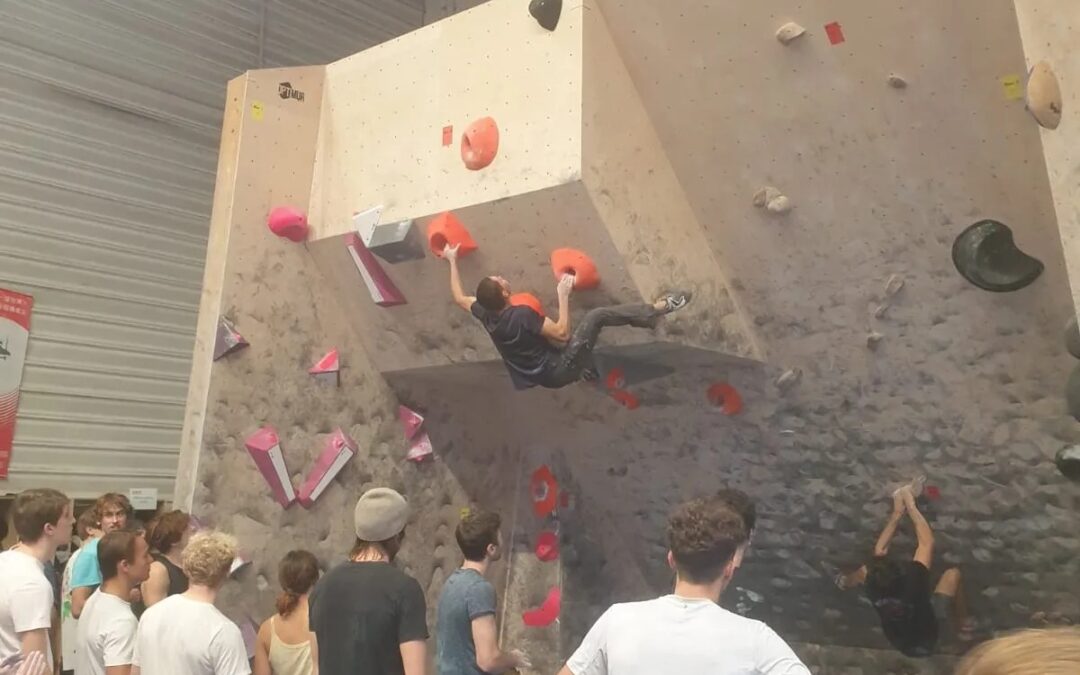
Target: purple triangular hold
(382, 289)
(228, 340)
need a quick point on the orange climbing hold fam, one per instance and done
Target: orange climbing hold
(527, 300)
(446, 229)
(545, 491)
(726, 397)
(616, 379)
(627, 399)
(480, 143)
(572, 261)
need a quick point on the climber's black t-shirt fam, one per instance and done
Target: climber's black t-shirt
(907, 617)
(361, 614)
(516, 334)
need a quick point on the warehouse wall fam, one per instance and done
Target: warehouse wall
(110, 116)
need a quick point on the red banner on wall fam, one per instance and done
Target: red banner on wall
(14, 335)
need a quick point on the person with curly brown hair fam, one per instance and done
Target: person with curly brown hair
(687, 631)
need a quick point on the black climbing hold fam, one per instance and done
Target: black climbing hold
(1072, 338)
(546, 12)
(1072, 393)
(986, 255)
(1068, 462)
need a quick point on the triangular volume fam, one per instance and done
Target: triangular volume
(379, 285)
(227, 340)
(411, 421)
(420, 449)
(265, 448)
(338, 449)
(327, 364)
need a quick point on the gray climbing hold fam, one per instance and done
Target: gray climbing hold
(546, 12)
(897, 82)
(986, 255)
(772, 199)
(894, 285)
(789, 31)
(1068, 462)
(873, 340)
(1072, 393)
(788, 379)
(1072, 338)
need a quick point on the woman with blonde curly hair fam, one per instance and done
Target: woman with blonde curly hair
(185, 633)
(1055, 651)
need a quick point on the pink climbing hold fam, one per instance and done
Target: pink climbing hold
(545, 491)
(288, 222)
(337, 451)
(411, 421)
(265, 448)
(227, 340)
(327, 369)
(420, 448)
(545, 614)
(547, 546)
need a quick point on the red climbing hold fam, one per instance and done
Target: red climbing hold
(287, 222)
(545, 491)
(480, 143)
(616, 378)
(572, 261)
(545, 614)
(410, 421)
(725, 397)
(627, 399)
(547, 546)
(932, 492)
(527, 300)
(835, 32)
(445, 229)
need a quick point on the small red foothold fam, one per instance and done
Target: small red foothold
(835, 32)
(725, 397)
(447, 135)
(288, 222)
(932, 492)
(547, 546)
(480, 144)
(616, 379)
(527, 300)
(572, 261)
(627, 399)
(544, 490)
(447, 229)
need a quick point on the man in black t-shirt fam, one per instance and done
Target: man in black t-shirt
(538, 351)
(913, 617)
(367, 615)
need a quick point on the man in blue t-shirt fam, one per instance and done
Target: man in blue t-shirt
(113, 510)
(538, 351)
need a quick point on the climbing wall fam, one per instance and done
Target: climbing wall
(808, 189)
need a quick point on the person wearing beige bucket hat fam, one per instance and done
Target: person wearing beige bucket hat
(367, 615)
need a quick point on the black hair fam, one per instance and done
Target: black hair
(489, 293)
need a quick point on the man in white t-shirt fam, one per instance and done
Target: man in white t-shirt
(107, 626)
(687, 631)
(42, 520)
(185, 634)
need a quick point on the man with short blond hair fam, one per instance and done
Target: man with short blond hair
(42, 520)
(185, 634)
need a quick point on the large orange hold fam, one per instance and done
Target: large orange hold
(572, 261)
(445, 230)
(527, 300)
(480, 144)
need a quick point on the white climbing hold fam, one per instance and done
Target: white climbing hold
(788, 379)
(1044, 96)
(897, 82)
(894, 285)
(765, 195)
(880, 310)
(874, 339)
(789, 31)
(779, 205)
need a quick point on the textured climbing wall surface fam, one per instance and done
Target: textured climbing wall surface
(1050, 30)
(451, 73)
(905, 367)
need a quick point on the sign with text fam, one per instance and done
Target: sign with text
(14, 335)
(143, 499)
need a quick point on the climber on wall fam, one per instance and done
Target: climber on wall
(912, 616)
(541, 352)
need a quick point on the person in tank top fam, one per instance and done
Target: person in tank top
(167, 535)
(286, 646)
